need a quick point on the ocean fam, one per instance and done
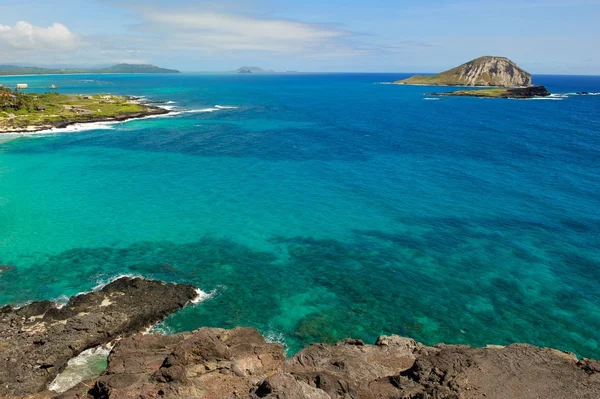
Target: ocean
(315, 207)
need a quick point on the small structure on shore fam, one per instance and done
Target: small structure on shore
(22, 85)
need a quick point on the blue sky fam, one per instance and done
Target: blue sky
(543, 36)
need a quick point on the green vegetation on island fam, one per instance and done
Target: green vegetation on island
(483, 71)
(119, 68)
(30, 112)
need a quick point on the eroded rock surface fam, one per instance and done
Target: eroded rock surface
(216, 363)
(37, 340)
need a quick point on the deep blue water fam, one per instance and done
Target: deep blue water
(321, 207)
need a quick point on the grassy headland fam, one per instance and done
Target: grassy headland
(29, 112)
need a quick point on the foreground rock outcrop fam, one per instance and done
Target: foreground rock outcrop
(216, 363)
(37, 340)
(483, 71)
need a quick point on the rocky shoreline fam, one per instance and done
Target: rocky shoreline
(149, 111)
(513, 92)
(37, 340)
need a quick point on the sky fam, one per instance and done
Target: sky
(542, 36)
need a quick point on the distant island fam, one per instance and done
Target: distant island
(246, 69)
(31, 112)
(507, 78)
(7, 70)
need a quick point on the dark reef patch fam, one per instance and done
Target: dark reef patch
(455, 283)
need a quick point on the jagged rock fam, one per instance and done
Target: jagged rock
(37, 340)
(208, 363)
(517, 371)
(285, 386)
(215, 363)
(342, 369)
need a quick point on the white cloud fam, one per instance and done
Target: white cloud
(25, 36)
(214, 32)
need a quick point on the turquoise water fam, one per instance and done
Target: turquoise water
(321, 207)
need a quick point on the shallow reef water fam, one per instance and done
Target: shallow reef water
(322, 207)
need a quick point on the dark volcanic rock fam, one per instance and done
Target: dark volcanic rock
(528, 92)
(215, 363)
(517, 371)
(515, 92)
(37, 340)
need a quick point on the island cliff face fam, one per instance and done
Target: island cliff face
(483, 71)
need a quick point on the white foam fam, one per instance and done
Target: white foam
(159, 328)
(201, 110)
(581, 94)
(167, 107)
(273, 337)
(546, 98)
(101, 283)
(431, 99)
(21, 305)
(61, 301)
(81, 368)
(79, 127)
(202, 296)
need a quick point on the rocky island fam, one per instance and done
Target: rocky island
(37, 340)
(507, 78)
(31, 112)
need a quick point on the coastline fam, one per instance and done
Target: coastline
(61, 125)
(217, 363)
(51, 127)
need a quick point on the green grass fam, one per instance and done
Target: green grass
(491, 93)
(48, 108)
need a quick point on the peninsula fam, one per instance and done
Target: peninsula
(7, 70)
(32, 112)
(505, 76)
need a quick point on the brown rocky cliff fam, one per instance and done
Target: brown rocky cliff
(37, 340)
(216, 363)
